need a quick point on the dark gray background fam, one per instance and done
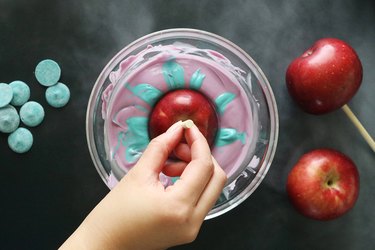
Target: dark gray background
(46, 193)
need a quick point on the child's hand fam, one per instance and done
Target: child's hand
(140, 213)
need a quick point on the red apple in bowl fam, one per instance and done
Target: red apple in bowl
(184, 104)
(325, 77)
(323, 185)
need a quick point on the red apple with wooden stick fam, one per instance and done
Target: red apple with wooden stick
(325, 77)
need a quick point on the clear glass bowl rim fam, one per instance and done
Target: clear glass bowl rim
(202, 35)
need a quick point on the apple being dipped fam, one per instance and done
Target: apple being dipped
(180, 105)
(324, 184)
(325, 77)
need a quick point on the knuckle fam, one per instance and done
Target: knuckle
(207, 161)
(191, 234)
(182, 214)
(209, 165)
(222, 175)
(219, 172)
(159, 145)
(177, 213)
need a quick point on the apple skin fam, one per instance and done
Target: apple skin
(181, 105)
(324, 77)
(323, 185)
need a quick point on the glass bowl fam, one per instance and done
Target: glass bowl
(131, 83)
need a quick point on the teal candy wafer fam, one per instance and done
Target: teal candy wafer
(47, 72)
(58, 95)
(6, 94)
(9, 119)
(21, 140)
(21, 93)
(32, 114)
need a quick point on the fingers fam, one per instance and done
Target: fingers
(198, 172)
(159, 149)
(182, 152)
(201, 180)
(212, 191)
(174, 168)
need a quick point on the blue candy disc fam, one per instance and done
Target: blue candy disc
(58, 95)
(32, 114)
(9, 119)
(21, 140)
(6, 94)
(21, 93)
(47, 72)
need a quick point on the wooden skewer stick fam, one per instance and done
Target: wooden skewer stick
(359, 126)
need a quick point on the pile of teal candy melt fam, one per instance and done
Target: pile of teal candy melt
(31, 113)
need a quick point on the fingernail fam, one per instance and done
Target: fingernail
(174, 127)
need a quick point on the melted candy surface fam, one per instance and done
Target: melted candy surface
(142, 79)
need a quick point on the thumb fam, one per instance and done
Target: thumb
(159, 149)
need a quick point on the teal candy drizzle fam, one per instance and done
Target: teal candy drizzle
(227, 136)
(146, 92)
(133, 152)
(173, 74)
(120, 140)
(138, 127)
(135, 139)
(141, 108)
(174, 179)
(197, 79)
(223, 100)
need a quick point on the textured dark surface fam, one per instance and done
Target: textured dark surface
(46, 193)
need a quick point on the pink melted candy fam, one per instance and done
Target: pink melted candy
(119, 103)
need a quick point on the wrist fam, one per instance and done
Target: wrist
(91, 235)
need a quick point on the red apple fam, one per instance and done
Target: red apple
(325, 77)
(324, 184)
(184, 104)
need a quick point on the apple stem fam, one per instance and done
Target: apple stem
(359, 126)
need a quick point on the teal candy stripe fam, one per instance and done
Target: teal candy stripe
(133, 152)
(136, 137)
(223, 100)
(197, 79)
(174, 179)
(141, 108)
(173, 74)
(138, 126)
(146, 92)
(120, 140)
(227, 136)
